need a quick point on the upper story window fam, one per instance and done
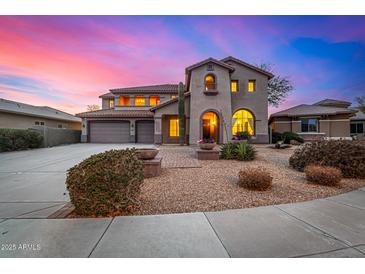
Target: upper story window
(251, 85)
(234, 86)
(210, 82)
(124, 101)
(154, 100)
(111, 103)
(309, 125)
(139, 101)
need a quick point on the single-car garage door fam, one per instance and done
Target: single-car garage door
(145, 132)
(109, 132)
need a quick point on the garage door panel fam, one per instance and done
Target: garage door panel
(145, 132)
(109, 132)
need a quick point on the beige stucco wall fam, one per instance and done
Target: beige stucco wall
(332, 126)
(163, 98)
(10, 120)
(255, 101)
(201, 103)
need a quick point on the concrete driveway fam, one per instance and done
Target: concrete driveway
(32, 182)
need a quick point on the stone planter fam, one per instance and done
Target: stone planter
(147, 153)
(207, 146)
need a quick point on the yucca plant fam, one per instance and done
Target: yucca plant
(244, 152)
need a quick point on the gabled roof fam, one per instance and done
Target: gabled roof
(168, 102)
(38, 111)
(206, 61)
(333, 102)
(165, 88)
(112, 113)
(308, 110)
(233, 59)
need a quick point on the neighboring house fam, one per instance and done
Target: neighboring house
(222, 97)
(357, 123)
(326, 118)
(22, 116)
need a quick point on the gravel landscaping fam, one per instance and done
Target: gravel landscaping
(213, 186)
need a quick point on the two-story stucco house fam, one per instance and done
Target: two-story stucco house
(222, 98)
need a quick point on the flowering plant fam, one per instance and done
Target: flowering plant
(206, 141)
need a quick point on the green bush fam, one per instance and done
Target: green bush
(238, 151)
(348, 156)
(275, 137)
(286, 137)
(243, 135)
(19, 139)
(106, 183)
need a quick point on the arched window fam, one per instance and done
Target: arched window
(243, 120)
(210, 82)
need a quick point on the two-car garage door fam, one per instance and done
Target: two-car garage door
(119, 132)
(109, 132)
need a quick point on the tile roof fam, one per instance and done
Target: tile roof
(359, 115)
(165, 88)
(168, 102)
(231, 58)
(112, 113)
(209, 60)
(38, 111)
(305, 110)
(332, 102)
(107, 95)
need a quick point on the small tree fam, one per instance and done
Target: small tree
(361, 103)
(279, 87)
(92, 107)
(181, 102)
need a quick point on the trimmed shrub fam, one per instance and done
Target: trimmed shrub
(238, 151)
(255, 178)
(106, 183)
(348, 156)
(19, 139)
(288, 136)
(323, 175)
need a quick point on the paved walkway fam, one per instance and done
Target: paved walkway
(332, 227)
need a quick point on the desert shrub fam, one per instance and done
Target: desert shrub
(105, 183)
(19, 139)
(255, 178)
(227, 151)
(238, 151)
(288, 136)
(348, 156)
(323, 175)
(245, 152)
(275, 137)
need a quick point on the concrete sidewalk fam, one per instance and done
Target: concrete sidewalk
(332, 227)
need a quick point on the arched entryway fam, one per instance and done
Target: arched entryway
(210, 126)
(243, 120)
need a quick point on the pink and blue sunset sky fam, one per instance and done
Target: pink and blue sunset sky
(66, 62)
